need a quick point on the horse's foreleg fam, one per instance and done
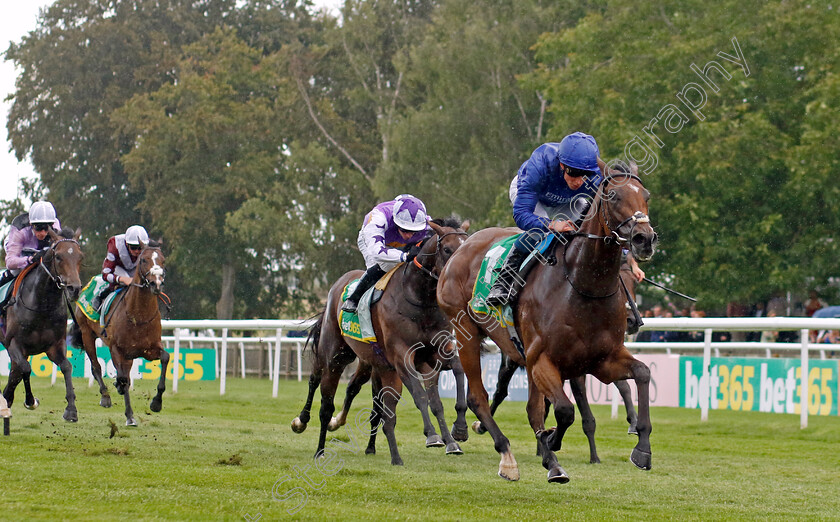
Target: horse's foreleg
(433, 394)
(88, 343)
(477, 397)
(408, 375)
(122, 384)
(621, 366)
(627, 397)
(157, 401)
(459, 428)
(358, 380)
(578, 385)
(14, 379)
(30, 402)
(58, 355)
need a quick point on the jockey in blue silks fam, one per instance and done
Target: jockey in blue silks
(386, 231)
(551, 192)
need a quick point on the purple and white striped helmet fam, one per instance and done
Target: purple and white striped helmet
(409, 213)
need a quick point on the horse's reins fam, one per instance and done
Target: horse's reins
(59, 282)
(425, 270)
(613, 236)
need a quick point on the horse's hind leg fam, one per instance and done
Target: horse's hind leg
(58, 355)
(358, 380)
(299, 423)
(84, 338)
(375, 416)
(578, 385)
(15, 377)
(389, 396)
(408, 374)
(544, 380)
(627, 397)
(157, 401)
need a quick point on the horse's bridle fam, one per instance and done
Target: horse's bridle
(144, 276)
(636, 218)
(425, 270)
(56, 278)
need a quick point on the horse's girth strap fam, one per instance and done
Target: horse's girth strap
(20, 277)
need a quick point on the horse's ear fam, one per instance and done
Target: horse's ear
(438, 230)
(53, 234)
(465, 226)
(77, 234)
(634, 169)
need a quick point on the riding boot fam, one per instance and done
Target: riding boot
(5, 278)
(506, 288)
(100, 298)
(370, 278)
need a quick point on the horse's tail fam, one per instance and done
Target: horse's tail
(314, 334)
(299, 423)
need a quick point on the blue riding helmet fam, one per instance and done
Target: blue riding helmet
(579, 151)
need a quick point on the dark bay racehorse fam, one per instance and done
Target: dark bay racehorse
(570, 317)
(508, 367)
(410, 330)
(36, 319)
(132, 329)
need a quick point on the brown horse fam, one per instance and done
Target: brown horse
(570, 317)
(36, 319)
(132, 329)
(508, 367)
(410, 329)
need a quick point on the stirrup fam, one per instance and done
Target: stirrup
(349, 307)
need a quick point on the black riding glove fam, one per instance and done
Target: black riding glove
(37, 256)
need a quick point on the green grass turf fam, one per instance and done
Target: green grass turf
(210, 457)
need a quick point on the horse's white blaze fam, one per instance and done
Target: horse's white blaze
(70, 250)
(634, 187)
(156, 269)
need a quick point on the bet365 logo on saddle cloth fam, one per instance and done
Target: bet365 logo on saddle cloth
(349, 322)
(493, 260)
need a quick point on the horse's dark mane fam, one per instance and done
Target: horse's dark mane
(153, 244)
(66, 233)
(451, 222)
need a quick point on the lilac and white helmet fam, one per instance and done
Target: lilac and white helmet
(409, 213)
(41, 212)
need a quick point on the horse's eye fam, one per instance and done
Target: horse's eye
(59, 258)
(447, 250)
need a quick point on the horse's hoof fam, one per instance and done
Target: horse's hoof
(508, 469)
(131, 422)
(105, 401)
(641, 459)
(397, 462)
(434, 441)
(32, 406)
(632, 430)
(156, 405)
(71, 416)
(460, 433)
(595, 460)
(370, 450)
(454, 449)
(478, 427)
(557, 475)
(333, 425)
(298, 426)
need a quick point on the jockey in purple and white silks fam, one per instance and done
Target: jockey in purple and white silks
(27, 240)
(386, 231)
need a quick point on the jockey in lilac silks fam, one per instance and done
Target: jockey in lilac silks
(28, 239)
(386, 231)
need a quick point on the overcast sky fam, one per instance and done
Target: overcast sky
(17, 19)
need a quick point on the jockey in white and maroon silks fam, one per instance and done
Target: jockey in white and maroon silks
(27, 240)
(121, 260)
(386, 231)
